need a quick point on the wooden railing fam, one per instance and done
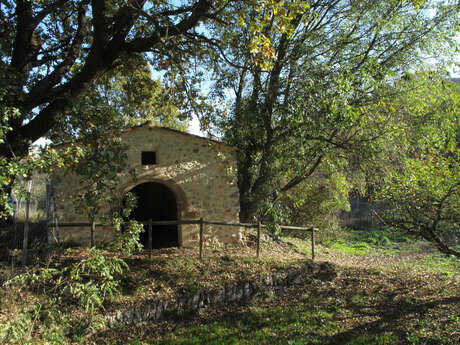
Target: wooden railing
(201, 222)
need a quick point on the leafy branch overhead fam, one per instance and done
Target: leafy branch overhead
(53, 50)
(312, 103)
(419, 185)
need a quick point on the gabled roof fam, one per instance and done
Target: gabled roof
(152, 126)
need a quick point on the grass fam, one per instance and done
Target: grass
(399, 291)
(383, 241)
(362, 306)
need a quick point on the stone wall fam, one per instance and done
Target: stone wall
(239, 291)
(195, 169)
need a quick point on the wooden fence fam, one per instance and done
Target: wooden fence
(202, 223)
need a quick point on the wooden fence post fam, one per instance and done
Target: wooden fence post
(313, 244)
(56, 226)
(259, 225)
(201, 238)
(150, 238)
(93, 228)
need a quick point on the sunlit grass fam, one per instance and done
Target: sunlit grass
(300, 323)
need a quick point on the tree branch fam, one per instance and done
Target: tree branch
(42, 91)
(141, 44)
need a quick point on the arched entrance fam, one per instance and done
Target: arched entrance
(157, 202)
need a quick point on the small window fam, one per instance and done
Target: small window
(148, 157)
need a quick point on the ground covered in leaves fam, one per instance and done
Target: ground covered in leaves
(405, 294)
(386, 292)
(171, 273)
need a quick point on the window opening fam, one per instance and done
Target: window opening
(148, 157)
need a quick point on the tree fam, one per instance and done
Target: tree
(123, 97)
(419, 185)
(309, 105)
(53, 50)
(8, 167)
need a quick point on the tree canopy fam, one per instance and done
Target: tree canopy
(52, 52)
(418, 185)
(302, 72)
(313, 103)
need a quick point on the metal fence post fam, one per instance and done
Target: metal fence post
(93, 228)
(49, 214)
(25, 243)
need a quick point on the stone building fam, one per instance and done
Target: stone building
(178, 176)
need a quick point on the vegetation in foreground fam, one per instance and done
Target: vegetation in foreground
(63, 300)
(391, 289)
(401, 292)
(363, 306)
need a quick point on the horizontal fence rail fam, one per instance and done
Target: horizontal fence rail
(151, 223)
(189, 221)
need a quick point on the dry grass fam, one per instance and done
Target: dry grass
(175, 272)
(403, 296)
(395, 298)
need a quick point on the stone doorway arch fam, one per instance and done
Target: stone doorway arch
(157, 201)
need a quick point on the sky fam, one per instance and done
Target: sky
(195, 127)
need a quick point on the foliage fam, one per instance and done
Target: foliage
(52, 52)
(311, 105)
(123, 97)
(66, 62)
(93, 280)
(90, 133)
(421, 187)
(16, 166)
(40, 323)
(8, 168)
(377, 241)
(373, 301)
(412, 301)
(318, 202)
(127, 232)
(97, 163)
(90, 282)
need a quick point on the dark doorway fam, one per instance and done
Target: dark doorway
(157, 202)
